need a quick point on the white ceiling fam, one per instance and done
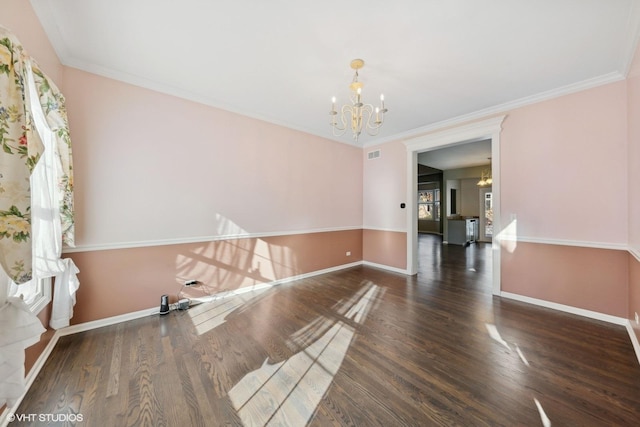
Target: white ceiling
(283, 60)
(458, 156)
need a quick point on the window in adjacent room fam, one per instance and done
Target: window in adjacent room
(429, 205)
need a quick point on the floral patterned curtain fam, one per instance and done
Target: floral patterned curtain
(20, 151)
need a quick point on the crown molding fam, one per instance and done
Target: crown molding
(503, 108)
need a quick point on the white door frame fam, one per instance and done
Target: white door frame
(473, 132)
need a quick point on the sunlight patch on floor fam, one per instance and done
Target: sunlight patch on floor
(546, 422)
(212, 312)
(287, 393)
(524, 359)
(495, 334)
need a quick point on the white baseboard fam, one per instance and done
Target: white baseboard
(95, 324)
(634, 339)
(316, 273)
(582, 312)
(385, 267)
(567, 308)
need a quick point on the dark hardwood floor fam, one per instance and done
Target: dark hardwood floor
(358, 347)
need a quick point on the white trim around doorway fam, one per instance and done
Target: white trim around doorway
(472, 132)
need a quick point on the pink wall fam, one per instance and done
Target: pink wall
(634, 292)
(115, 282)
(633, 102)
(153, 169)
(387, 248)
(150, 166)
(386, 187)
(385, 222)
(587, 278)
(558, 157)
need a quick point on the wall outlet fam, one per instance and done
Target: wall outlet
(637, 319)
(348, 253)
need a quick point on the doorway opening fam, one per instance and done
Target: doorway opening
(488, 129)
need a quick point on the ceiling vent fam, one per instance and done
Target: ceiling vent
(373, 154)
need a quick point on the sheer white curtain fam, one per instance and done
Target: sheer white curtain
(46, 224)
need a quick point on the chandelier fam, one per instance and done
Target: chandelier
(485, 176)
(357, 116)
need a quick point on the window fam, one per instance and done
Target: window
(429, 205)
(35, 293)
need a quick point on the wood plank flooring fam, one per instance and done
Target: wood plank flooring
(358, 347)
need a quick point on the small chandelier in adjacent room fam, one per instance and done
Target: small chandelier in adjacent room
(485, 178)
(357, 116)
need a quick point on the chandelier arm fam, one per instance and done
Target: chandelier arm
(338, 132)
(344, 111)
(366, 111)
(374, 119)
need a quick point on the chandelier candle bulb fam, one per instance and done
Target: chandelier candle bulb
(333, 113)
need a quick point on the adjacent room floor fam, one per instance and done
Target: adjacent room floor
(357, 347)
